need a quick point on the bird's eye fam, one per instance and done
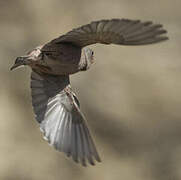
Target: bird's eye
(92, 53)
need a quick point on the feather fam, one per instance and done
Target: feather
(114, 31)
(60, 118)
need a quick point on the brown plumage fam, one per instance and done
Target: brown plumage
(56, 107)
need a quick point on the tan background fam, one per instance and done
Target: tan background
(131, 96)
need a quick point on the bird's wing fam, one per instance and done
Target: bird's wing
(58, 112)
(115, 31)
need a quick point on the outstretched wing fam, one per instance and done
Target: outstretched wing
(115, 31)
(57, 110)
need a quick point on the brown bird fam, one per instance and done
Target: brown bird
(56, 107)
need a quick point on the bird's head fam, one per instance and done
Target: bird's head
(28, 59)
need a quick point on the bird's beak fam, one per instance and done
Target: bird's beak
(20, 61)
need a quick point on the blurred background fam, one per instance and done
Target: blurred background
(131, 96)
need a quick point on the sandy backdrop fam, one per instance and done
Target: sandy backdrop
(131, 96)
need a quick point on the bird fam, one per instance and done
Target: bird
(56, 106)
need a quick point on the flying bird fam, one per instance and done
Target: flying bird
(56, 107)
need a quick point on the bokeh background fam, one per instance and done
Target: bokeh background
(131, 96)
